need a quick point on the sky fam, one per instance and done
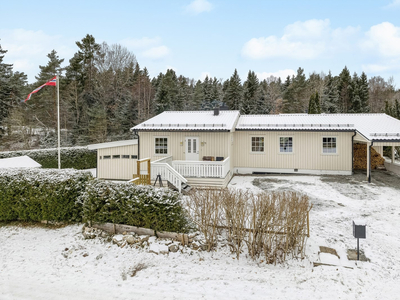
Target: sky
(212, 37)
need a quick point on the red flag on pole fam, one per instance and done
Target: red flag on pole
(52, 82)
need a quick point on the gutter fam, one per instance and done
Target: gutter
(352, 151)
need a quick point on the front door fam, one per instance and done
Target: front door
(192, 148)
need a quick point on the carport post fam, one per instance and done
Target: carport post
(369, 162)
(392, 154)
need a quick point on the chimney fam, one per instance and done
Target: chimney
(216, 111)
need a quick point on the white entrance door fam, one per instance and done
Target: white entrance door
(192, 148)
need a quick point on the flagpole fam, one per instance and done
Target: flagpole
(58, 121)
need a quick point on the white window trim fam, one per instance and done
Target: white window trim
(154, 145)
(322, 145)
(251, 144)
(279, 144)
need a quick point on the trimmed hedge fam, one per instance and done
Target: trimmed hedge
(36, 194)
(142, 206)
(75, 157)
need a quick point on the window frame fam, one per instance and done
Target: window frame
(336, 145)
(155, 146)
(279, 144)
(263, 144)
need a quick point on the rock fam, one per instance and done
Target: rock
(203, 247)
(130, 239)
(194, 246)
(85, 254)
(100, 256)
(89, 233)
(158, 249)
(152, 239)
(118, 239)
(104, 234)
(173, 248)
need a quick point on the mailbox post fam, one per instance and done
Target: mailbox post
(359, 232)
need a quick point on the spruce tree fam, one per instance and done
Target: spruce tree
(251, 95)
(311, 105)
(198, 96)
(234, 93)
(364, 93)
(5, 89)
(355, 104)
(344, 90)
(330, 96)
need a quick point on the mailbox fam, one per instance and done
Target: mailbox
(359, 231)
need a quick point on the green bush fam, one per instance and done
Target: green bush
(75, 157)
(142, 206)
(36, 194)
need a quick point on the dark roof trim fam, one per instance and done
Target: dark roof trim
(386, 141)
(180, 130)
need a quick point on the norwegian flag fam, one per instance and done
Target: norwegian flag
(52, 82)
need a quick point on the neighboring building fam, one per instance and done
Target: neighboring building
(18, 162)
(208, 147)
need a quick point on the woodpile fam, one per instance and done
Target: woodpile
(360, 157)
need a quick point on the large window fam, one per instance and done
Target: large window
(257, 144)
(286, 144)
(329, 145)
(161, 145)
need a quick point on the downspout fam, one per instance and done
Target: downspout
(370, 148)
(136, 134)
(352, 152)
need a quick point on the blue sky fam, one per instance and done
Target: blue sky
(212, 37)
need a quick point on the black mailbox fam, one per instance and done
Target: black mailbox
(359, 231)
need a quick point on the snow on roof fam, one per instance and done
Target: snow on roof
(18, 162)
(191, 120)
(372, 126)
(112, 144)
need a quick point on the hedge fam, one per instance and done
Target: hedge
(142, 206)
(36, 194)
(74, 157)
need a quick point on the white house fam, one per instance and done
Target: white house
(208, 147)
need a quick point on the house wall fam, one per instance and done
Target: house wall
(116, 168)
(210, 144)
(307, 154)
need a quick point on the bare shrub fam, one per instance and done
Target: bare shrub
(205, 211)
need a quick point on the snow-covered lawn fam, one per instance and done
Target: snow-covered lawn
(40, 263)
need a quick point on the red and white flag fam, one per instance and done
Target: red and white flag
(52, 82)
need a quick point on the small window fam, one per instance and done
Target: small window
(161, 145)
(116, 156)
(107, 156)
(125, 156)
(257, 144)
(329, 145)
(286, 144)
(133, 156)
(100, 157)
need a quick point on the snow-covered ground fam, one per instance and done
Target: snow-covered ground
(41, 263)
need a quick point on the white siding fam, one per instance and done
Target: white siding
(307, 151)
(117, 168)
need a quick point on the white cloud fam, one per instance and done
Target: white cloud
(394, 3)
(376, 68)
(199, 6)
(281, 73)
(27, 49)
(384, 39)
(155, 53)
(301, 40)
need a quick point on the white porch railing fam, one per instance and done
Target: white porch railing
(215, 169)
(162, 167)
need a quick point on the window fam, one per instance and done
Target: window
(329, 145)
(107, 157)
(161, 146)
(257, 144)
(125, 156)
(116, 156)
(101, 157)
(133, 156)
(286, 144)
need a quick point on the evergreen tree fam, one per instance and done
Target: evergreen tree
(251, 95)
(344, 90)
(299, 92)
(314, 104)
(355, 104)
(330, 96)
(234, 93)
(5, 89)
(207, 95)
(198, 96)
(364, 93)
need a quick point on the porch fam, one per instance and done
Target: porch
(204, 173)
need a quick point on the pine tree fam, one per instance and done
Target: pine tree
(251, 94)
(234, 93)
(330, 96)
